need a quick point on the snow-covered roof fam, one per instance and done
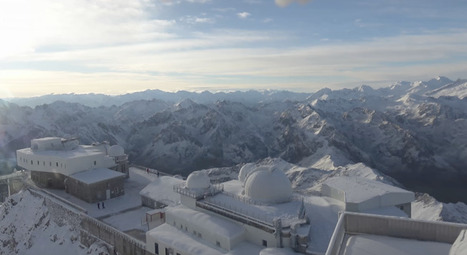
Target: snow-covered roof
(80, 151)
(233, 187)
(386, 245)
(173, 237)
(368, 234)
(188, 244)
(268, 185)
(198, 180)
(358, 190)
(46, 139)
(210, 223)
(162, 190)
(96, 175)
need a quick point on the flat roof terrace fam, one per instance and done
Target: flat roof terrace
(80, 151)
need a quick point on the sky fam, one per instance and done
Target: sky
(123, 46)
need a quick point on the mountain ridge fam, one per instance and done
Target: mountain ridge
(399, 130)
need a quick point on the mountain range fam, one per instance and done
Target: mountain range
(415, 132)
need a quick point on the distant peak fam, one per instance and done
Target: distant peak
(185, 103)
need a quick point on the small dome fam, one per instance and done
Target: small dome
(116, 150)
(198, 180)
(268, 185)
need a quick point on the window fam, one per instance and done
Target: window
(50, 163)
(265, 243)
(43, 163)
(38, 162)
(156, 248)
(32, 163)
(95, 162)
(218, 243)
(56, 163)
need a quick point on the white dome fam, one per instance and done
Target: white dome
(245, 171)
(268, 186)
(198, 180)
(116, 150)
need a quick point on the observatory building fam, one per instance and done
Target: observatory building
(90, 172)
(242, 216)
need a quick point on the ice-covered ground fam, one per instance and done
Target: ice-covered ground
(27, 227)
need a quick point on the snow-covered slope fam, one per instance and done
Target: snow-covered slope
(27, 227)
(427, 207)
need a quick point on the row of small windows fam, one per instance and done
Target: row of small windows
(21, 159)
(43, 163)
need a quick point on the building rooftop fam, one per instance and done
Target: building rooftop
(367, 234)
(96, 175)
(386, 245)
(213, 224)
(189, 244)
(162, 190)
(358, 190)
(80, 151)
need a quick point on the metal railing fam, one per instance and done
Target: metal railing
(198, 194)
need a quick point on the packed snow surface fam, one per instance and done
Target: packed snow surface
(183, 242)
(358, 190)
(162, 190)
(96, 175)
(384, 245)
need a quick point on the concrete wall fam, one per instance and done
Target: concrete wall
(121, 242)
(95, 192)
(162, 247)
(66, 166)
(256, 236)
(151, 203)
(333, 193)
(194, 229)
(402, 228)
(355, 223)
(48, 180)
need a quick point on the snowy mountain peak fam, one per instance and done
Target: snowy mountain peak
(185, 104)
(438, 81)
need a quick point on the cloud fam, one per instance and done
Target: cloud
(283, 3)
(75, 23)
(199, 1)
(243, 15)
(194, 19)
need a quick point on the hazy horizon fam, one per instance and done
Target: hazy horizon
(119, 47)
